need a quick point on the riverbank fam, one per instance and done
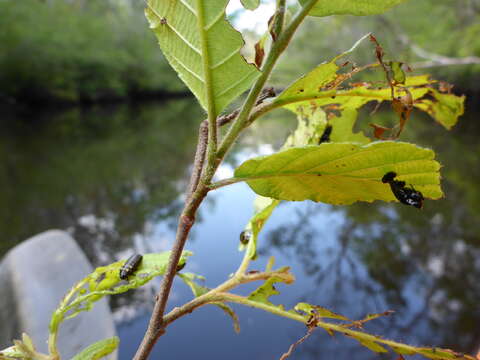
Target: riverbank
(58, 52)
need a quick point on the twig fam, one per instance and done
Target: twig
(156, 327)
(203, 139)
(298, 342)
(214, 157)
(199, 158)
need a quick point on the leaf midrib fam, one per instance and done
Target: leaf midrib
(207, 75)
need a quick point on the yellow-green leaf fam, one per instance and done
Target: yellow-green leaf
(203, 48)
(373, 346)
(352, 7)
(318, 311)
(341, 173)
(445, 108)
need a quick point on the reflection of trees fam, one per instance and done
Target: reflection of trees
(105, 173)
(422, 264)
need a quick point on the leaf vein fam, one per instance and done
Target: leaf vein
(187, 69)
(192, 10)
(235, 84)
(226, 58)
(217, 19)
(190, 45)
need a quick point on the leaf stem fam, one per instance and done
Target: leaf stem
(156, 325)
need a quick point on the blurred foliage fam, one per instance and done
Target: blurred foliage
(454, 33)
(79, 51)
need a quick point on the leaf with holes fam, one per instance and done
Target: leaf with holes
(341, 173)
(349, 7)
(263, 293)
(444, 108)
(203, 48)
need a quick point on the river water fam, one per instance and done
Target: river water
(114, 176)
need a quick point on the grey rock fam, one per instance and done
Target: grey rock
(34, 277)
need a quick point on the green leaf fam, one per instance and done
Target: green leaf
(349, 7)
(373, 346)
(105, 280)
(342, 128)
(319, 89)
(198, 290)
(324, 75)
(310, 127)
(445, 108)
(341, 173)
(152, 265)
(263, 292)
(203, 48)
(318, 311)
(98, 350)
(398, 74)
(250, 4)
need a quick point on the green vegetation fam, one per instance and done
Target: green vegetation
(63, 51)
(324, 160)
(405, 31)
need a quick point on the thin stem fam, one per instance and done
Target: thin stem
(58, 316)
(217, 294)
(156, 326)
(199, 158)
(277, 49)
(214, 157)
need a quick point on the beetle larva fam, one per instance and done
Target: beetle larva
(130, 266)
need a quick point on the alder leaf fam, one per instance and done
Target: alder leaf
(349, 7)
(341, 173)
(203, 48)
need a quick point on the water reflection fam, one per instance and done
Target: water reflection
(114, 177)
(102, 173)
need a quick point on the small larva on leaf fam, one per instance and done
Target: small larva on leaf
(130, 266)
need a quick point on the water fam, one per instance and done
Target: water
(113, 177)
